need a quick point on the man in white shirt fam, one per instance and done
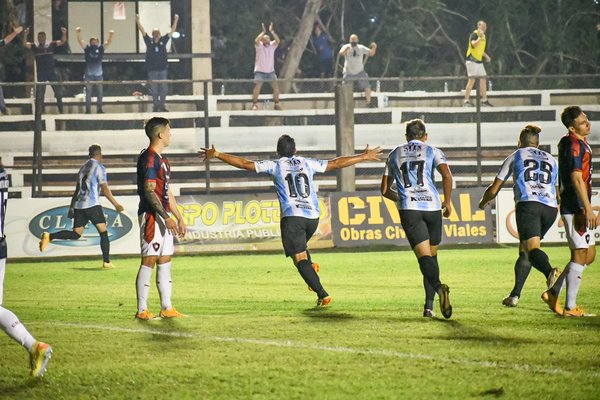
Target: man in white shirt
(354, 68)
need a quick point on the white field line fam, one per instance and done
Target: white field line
(337, 349)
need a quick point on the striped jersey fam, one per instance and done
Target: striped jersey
(412, 166)
(152, 167)
(293, 179)
(3, 199)
(574, 154)
(92, 174)
(535, 174)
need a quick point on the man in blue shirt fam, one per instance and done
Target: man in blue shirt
(156, 62)
(94, 52)
(85, 205)
(534, 173)
(320, 41)
(297, 194)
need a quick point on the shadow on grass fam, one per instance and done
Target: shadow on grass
(19, 389)
(166, 329)
(462, 332)
(327, 314)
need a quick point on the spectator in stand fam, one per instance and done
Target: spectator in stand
(94, 52)
(156, 62)
(475, 69)
(322, 44)
(44, 62)
(264, 65)
(4, 42)
(354, 67)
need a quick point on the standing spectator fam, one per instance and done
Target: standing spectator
(322, 44)
(94, 52)
(157, 227)
(535, 174)
(264, 65)
(156, 62)
(410, 168)
(85, 205)
(4, 42)
(475, 69)
(44, 62)
(354, 67)
(39, 352)
(575, 176)
(297, 194)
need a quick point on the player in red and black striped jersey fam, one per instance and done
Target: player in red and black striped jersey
(157, 228)
(575, 182)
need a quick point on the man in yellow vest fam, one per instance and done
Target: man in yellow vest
(475, 56)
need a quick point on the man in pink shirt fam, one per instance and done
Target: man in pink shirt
(264, 65)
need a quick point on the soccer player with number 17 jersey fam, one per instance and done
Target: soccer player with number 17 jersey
(297, 194)
(409, 168)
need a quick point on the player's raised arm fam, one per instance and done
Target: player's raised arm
(233, 160)
(346, 161)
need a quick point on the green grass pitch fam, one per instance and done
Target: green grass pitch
(252, 331)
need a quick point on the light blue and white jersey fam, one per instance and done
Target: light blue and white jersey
(92, 174)
(534, 173)
(412, 166)
(293, 178)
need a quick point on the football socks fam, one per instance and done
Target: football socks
(68, 235)
(310, 276)
(142, 285)
(539, 260)
(105, 246)
(164, 284)
(10, 324)
(522, 269)
(573, 283)
(430, 271)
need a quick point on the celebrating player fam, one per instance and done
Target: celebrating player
(293, 178)
(534, 173)
(157, 228)
(410, 168)
(85, 205)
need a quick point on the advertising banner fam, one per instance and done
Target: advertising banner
(367, 218)
(506, 224)
(215, 223)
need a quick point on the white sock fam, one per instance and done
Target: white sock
(573, 282)
(559, 284)
(2, 272)
(10, 324)
(164, 285)
(142, 284)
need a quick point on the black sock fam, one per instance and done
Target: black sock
(70, 235)
(309, 258)
(105, 246)
(430, 271)
(522, 268)
(539, 259)
(311, 278)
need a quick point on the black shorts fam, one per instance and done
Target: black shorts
(3, 250)
(83, 215)
(422, 225)
(534, 219)
(295, 233)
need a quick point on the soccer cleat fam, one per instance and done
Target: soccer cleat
(428, 313)
(107, 265)
(44, 240)
(317, 269)
(171, 313)
(554, 274)
(553, 301)
(445, 301)
(145, 315)
(323, 302)
(576, 312)
(511, 301)
(39, 357)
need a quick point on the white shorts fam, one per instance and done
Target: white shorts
(475, 69)
(578, 236)
(155, 238)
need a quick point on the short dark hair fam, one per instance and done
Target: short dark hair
(94, 150)
(415, 129)
(286, 146)
(530, 136)
(569, 115)
(154, 125)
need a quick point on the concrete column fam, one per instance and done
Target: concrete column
(201, 67)
(344, 135)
